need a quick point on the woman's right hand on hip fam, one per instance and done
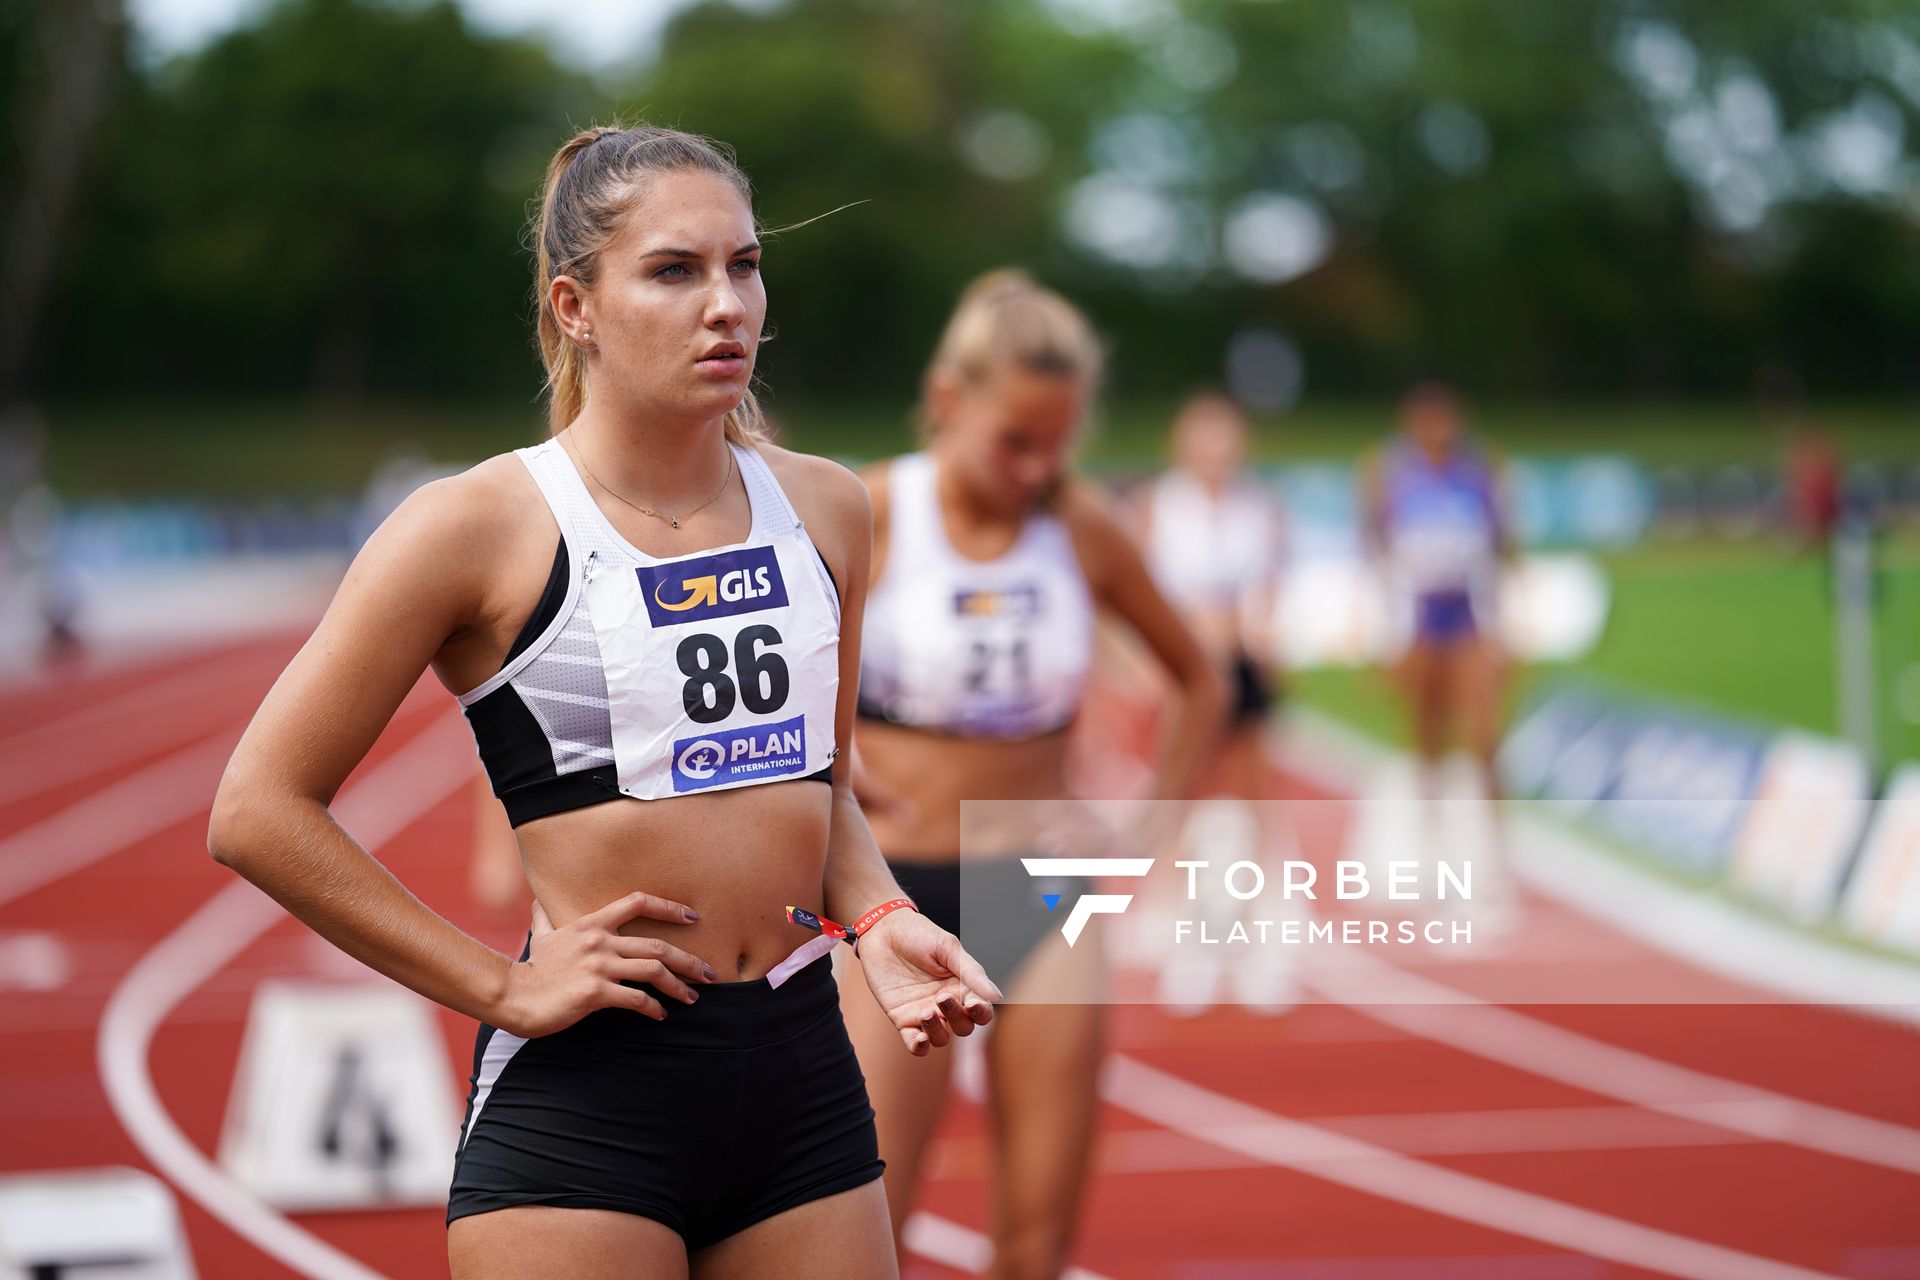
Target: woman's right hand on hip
(571, 971)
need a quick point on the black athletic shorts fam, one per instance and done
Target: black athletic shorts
(735, 1108)
(1253, 693)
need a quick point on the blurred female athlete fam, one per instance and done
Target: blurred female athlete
(652, 621)
(1214, 538)
(991, 560)
(1434, 524)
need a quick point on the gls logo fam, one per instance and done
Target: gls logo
(715, 586)
(1088, 905)
(738, 585)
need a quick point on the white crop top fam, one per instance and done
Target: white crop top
(662, 677)
(1210, 551)
(993, 649)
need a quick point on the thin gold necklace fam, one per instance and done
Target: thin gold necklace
(581, 454)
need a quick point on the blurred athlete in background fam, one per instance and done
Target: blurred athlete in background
(991, 560)
(1214, 538)
(1435, 527)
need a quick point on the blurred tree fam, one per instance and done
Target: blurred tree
(57, 73)
(954, 127)
(329, 200)
(1589, 196)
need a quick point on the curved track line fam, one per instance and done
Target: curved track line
(1486, 1029)
(1443, 1014)
(1188, 1108)
(432, 766)
(1714, 934)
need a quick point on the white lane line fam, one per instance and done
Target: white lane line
(33, 960)
(1444, 1133)
(1178, 1104)
(434, 765)
(191, 682)
(103, 754)
(1712, 933)
(1521, 1131)
(1445, 1015)
(173, 789)
(962, 1248)
(169, 791)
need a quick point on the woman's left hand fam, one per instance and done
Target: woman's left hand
(925, 980)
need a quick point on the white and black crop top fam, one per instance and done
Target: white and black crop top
(979, 648)
(651, 678)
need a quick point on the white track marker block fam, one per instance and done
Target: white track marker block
(343, 1099)
(1883, 897)
(91, 1224)
(1802, 823)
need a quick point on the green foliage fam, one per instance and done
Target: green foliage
(1539, 198)
(326, 201)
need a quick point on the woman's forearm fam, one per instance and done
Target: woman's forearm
(857, 877)
(294, 852)
(1202, 701)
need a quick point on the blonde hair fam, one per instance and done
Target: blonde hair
(590, 187)
(1006, 318)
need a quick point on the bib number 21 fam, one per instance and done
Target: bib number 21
(709, 692)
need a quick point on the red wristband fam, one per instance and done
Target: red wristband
(874, 916)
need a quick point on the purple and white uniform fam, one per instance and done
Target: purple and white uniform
(1441, 530)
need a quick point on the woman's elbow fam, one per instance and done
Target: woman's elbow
(224, 831)
(234, 828)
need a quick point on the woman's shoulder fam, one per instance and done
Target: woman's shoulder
(477, 509)
(830, 501)
(809, 479)
(1092, 520)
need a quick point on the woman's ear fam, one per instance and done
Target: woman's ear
(569, 303)
(942, 397)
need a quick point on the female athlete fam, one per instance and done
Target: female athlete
(991, 561)
(652, 623)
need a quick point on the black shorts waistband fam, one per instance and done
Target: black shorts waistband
(731, 1015)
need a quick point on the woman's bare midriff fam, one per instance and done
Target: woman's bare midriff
(935, 772)
(737, 857)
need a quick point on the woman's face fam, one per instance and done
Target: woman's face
(678, 308)
(1433, 424)
(1210, 441)
(1011, 434)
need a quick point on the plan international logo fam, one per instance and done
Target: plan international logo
(715, 586)
(740, 755)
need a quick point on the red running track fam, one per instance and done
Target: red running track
(1327, 1144)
